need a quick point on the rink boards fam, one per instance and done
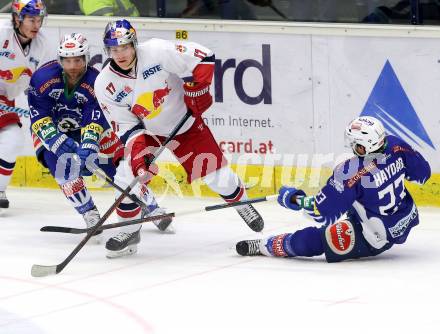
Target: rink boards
(284, 93)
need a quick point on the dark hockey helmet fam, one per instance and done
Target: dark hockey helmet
(28, 7)
(119, 32)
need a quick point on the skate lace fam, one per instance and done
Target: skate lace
(248, 213)
(2, 195)
(254, 247)
(122, 236)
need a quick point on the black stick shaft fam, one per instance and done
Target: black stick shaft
(91, 232)
(73, 230)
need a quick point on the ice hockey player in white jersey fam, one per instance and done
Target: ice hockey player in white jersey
(22, 51)
(369, 188)
(141, 90)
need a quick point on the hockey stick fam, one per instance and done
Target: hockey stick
(101, 174)
(73, 230)
(41, 270)
(17, 110)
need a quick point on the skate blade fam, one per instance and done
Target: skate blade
(129, 250)
(165, 226)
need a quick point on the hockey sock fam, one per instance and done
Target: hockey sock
(77, 193)
(6, 169)
(127, 210)
(227, 184)
(147, 196)
(305, 242)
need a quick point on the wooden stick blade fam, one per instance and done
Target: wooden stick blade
(43, 271)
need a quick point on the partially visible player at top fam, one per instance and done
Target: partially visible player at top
(141, 90)
(369, 188)
(23, 49)
(68, 127)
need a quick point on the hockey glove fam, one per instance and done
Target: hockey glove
(61, 144)
(287, 197)
(139, 156)
(197, 97)
(118, 155)
(88, 153)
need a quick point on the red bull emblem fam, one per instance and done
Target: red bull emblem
(181, 48)
(159, 96)
(18, 6)
(116, 34)
(140, 111)
(6, 75)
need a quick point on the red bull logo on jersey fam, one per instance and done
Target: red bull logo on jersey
(13, 74)
(180, 48)
(149, 105)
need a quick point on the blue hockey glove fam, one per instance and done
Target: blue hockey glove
(88, 153)
(60, 144)
(285, 196)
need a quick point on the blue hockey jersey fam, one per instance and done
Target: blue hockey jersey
(372, 192)
(74, 112)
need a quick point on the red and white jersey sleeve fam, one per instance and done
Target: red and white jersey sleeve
(158, 94)
(178, 57)
(17, 66)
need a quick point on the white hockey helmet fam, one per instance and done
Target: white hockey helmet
(74, 45)
(366, 131)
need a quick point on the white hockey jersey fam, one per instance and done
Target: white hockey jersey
(17, 65)
(154, 91)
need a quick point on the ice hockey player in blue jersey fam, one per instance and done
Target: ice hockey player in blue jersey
(365, 207)
(68, 126)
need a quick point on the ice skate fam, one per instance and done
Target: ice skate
(251, 217)
(91, 218)
(4, 203)
(122, 244)
(249, 247)
(164, 224)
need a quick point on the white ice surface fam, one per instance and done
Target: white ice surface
(193, 281)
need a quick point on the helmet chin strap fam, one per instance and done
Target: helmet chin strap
(355, 151)
(133, 62)
(21, 36)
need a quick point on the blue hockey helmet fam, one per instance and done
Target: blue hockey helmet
(119, 32)
(28, 7)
